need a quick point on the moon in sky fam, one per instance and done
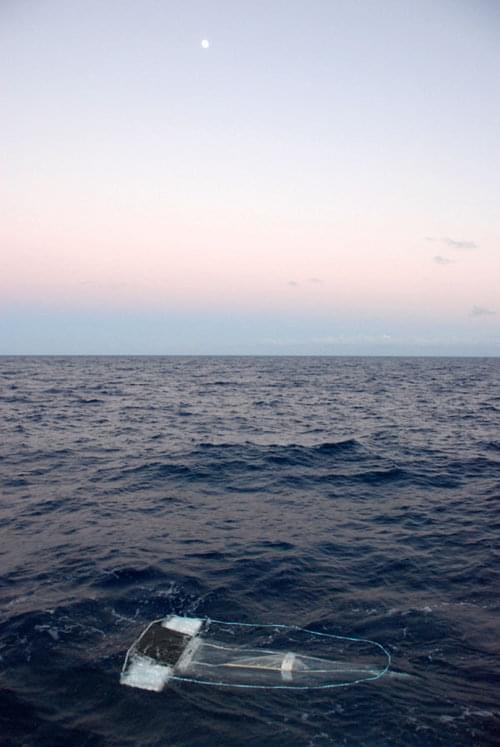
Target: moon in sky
(205, 43)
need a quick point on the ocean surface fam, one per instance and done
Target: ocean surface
(356, 496)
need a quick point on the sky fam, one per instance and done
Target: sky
(322, 178)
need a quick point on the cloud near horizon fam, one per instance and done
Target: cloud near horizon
(482, 311)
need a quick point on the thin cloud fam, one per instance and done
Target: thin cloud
(482, 311)
(315, 280)
(439, 260)
(293, 283)
(460, 244)
(453, 243)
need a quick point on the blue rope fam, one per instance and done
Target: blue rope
(330, 686)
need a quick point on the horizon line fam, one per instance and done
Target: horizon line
(247, 355)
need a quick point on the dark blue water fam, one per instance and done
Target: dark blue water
(354, 496)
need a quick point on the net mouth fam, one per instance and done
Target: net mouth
(165, 647)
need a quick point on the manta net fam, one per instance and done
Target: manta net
(245, 655)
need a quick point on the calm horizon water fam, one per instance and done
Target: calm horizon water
(356, 496)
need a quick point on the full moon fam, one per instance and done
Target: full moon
(205, 43)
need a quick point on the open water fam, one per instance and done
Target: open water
(356, 496)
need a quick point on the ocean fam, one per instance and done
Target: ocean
(355, 496)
